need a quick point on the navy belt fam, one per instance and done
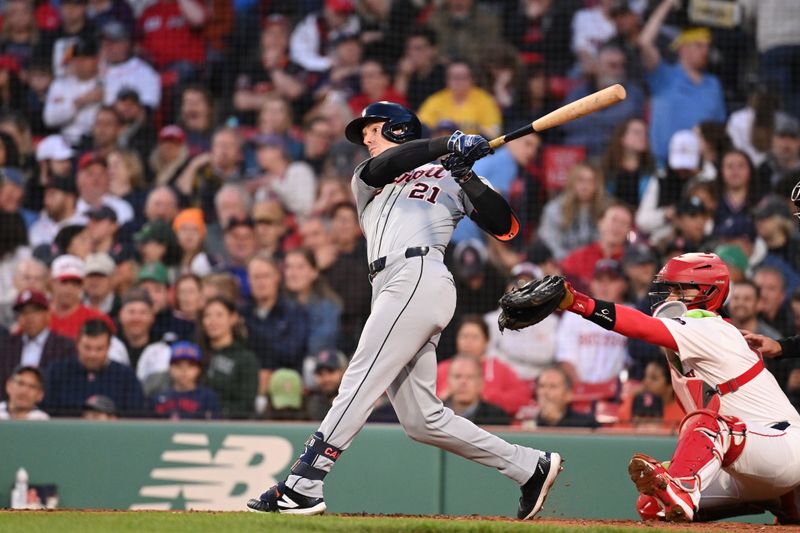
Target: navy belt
(382, 262)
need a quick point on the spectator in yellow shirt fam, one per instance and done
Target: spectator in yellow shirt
(472, 108)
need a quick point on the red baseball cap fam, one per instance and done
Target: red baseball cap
(340, 6)
(90, 158)
(172, 133)
(28, 297)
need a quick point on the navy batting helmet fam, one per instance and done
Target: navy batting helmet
(401, 124)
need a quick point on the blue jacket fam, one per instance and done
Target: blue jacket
(69, 385)
(280, 339)
(324, 316)
(199, 403)
(678, 103)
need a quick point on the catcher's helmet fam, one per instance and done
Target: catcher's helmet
(705, 272)
(401, 124)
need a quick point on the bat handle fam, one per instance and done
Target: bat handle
(516, 134)
(498, 142)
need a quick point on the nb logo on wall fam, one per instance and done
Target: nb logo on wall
(222, 481)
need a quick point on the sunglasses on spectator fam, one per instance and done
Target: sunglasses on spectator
(268, 221)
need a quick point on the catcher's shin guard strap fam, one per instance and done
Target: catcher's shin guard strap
(315, 446)
(604, 314)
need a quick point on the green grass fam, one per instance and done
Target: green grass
(195, 522)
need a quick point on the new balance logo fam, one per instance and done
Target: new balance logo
(287, 503)
(197, 476)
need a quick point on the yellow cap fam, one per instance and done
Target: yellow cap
(692, 35)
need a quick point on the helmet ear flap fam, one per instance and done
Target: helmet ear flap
(729, 295)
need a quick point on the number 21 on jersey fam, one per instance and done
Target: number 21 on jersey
(420, 192)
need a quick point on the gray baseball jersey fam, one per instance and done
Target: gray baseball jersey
(413, 299)
(421, 208)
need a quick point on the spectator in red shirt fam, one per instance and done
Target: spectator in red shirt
(171, 33)
(376, 85)
(613, 228)
(502, 387)
(68, 313)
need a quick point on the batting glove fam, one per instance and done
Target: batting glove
(459, 166)
(470, 146)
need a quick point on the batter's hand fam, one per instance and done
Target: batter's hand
(472, 147)
(767, 346)
(459, 166)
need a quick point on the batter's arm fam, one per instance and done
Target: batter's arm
(491, 211)
(384, 168)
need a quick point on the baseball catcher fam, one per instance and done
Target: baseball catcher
(739, 443)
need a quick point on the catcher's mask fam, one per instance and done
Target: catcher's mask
(705, 272)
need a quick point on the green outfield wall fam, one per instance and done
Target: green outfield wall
(171, 465)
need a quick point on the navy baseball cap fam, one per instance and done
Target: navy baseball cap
(100, 404)
(21, 369)
(638, 254)
(608, 267)
(84, 47)
(13, 175)
(115, 31)
(102, 213)
(128, 94)
(330, 360)
(691, 205)
(186, 351)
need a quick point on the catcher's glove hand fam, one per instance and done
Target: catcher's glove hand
(532, 303)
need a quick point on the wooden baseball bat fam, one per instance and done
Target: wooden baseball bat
(573, 110)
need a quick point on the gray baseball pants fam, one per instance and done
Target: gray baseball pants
(412, 301)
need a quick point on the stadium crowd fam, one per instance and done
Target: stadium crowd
(178, 237)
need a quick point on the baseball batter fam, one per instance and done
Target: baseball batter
(408, 206)
(739, 443)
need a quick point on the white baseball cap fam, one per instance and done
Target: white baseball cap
(684, 150)
(528, 270)
(67, 267)
(53, 147)
(100, 263)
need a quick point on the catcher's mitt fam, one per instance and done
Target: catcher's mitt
(531, 303)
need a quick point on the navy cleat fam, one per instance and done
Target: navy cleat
(535, 490)
(281, 499)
